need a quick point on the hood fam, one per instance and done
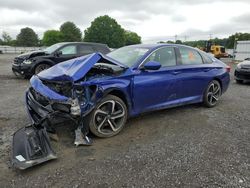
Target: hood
(245, 64)
(75, 69)
(31, 54)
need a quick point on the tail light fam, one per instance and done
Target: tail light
(228, 68)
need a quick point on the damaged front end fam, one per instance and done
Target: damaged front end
(59, 93)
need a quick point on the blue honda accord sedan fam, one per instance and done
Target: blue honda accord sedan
(106, 90)
(99, 92)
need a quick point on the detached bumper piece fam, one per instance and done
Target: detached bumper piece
(31, 146)
(81, 139)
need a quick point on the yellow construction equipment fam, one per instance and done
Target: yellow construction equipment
(217, 50)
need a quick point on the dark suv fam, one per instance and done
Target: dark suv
(34, 62)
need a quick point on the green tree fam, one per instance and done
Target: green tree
(170, 42)
(132, 38)
(70, 32)
(105, 29)
(51, 37)
(178, 42)
(6, 38)
(27, 37)
(196, 43)
(236, 37)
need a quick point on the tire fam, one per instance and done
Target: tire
(108, 117)
(239, 81)
(212, 94)
(40, 67)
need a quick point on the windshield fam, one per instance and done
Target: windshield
(128, 55)
(52, 48)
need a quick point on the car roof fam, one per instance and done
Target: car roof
(151, 46)
(91, 43)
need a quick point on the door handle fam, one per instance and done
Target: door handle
(176, 72)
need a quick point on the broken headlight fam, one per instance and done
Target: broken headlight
(61, 88)
(75, 108)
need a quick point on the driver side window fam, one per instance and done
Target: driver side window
(68, 50)
(165, 56)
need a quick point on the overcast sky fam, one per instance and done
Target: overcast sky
(153, 20)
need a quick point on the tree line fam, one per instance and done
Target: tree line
(103, 29)
(227, 42)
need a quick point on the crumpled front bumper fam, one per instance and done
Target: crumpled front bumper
(36, 111)
(40, 108)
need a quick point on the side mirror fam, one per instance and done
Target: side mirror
(152, 65)
(58, 53)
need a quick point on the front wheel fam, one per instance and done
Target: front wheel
(108, 117)
(39, 68)
(212, 94)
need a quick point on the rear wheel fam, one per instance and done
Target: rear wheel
(212, 94)
(108, 118)
(39, 68)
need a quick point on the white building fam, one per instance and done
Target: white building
(242, 50)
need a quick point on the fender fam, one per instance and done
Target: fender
(120, 87)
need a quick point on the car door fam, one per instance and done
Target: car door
(66, 52)
(155, 89)
(84, 49)
(194, 73)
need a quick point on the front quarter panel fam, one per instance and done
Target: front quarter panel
(122, 84)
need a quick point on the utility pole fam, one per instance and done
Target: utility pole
(234, 51)
(210, 36)
(175, 37)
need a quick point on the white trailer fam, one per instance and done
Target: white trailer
(242, 50)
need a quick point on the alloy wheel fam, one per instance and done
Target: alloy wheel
(213, 94)
(41, 67)
(109, 117)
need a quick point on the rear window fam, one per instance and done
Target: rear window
(190, 56)
(102, 49)
(85, 49)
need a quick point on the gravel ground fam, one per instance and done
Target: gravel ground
(189, 146)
